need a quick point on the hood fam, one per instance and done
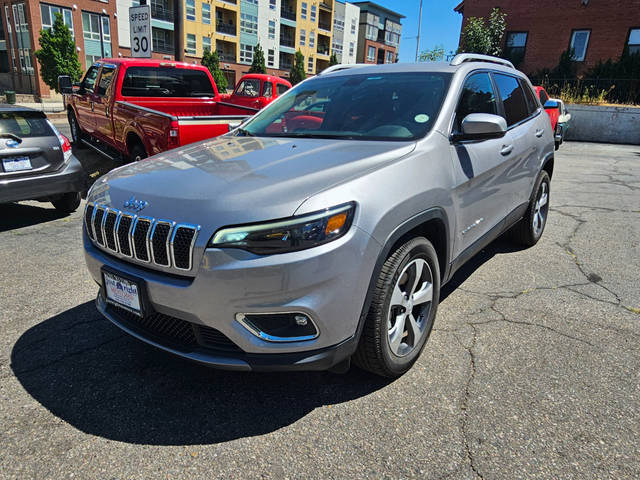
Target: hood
(235, 180)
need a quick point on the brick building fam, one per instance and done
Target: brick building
(538, 32)
(379, 34)
(92, 23)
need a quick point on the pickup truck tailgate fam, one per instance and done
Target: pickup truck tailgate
(194, 129)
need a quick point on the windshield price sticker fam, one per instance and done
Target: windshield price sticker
(140, 28)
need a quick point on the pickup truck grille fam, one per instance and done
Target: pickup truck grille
(160, 242)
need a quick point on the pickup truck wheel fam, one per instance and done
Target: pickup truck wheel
(67, 203)
(528, 231)
(137, 153)
(402, 311)
(76, 133)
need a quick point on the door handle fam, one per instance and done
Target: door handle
(91, 105)
(506, 149)
(539, 133)
(106, 111)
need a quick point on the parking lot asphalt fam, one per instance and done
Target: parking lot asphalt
(532, 370)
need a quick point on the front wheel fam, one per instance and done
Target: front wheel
(67, 203)
(76, 133)
(402, 311)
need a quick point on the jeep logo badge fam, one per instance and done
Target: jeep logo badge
(135, 205)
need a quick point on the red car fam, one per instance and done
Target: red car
(256, 90)
(140, 107)
(558, 115)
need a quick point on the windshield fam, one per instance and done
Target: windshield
(387, 106)
(166, 82)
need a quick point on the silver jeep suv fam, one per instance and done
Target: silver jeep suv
(323, 228)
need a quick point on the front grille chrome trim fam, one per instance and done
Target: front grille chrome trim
(132, 241)
(166, 243)
(97, 209)
(122, 215)
(89, 225)
(196, 230)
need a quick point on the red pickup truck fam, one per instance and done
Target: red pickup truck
(140, 107)
(257, 90)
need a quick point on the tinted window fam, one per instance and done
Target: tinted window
(166, 82)
(25, 124)
(532, 101)
(90, 78)
(381, 106)
(543, 97)
(477, 97)
(513, 99)
(105, 79)
(249, 88)
(280, 88)
(268, 89)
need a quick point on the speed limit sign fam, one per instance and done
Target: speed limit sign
(140, 28)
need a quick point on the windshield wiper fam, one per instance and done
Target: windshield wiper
(244, 133)
(11, 135)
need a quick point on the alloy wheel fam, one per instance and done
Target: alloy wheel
(541, 209)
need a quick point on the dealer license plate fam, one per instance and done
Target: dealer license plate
(16, 164)
(123, 292)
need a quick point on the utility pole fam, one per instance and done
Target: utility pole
(419, 24)
(178, 30)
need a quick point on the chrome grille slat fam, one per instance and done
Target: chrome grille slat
(154, 241)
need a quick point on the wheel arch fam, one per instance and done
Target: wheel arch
(547, 164)
(132, 138)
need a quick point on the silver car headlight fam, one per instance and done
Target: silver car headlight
(288, 235)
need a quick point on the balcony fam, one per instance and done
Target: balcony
(323, 49)
(287, 41)
(160, 12)
(324, 26)
(225, 28)
(288, 13)
(325, 5)
(227, 57)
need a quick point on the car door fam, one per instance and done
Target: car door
(83, 100)
(527, 127)
(479, 166)
(102, 104)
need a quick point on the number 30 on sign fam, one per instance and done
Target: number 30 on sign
(140, 28)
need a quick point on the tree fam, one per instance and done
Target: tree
(333, 60)
(212, 62)
(480, 36)
(297, 69)
(435, 55)
(57, 54)
(258, 65)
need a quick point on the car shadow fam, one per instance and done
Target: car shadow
(18, 215)
(103, 382)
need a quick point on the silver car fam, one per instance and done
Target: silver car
(322, 229)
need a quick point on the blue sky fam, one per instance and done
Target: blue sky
(440, 25)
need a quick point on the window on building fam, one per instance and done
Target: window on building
(271, 57)
(514, 47)
(19, 19)
(392, 38)
(191, 10)
(248, 23)
(312, 17)
(206, 14)
(162, 41)
(25, 60)
(272, 4)
(48, 14)
(634, 41)
(272, 29)
(389, 58)
(336, 48)
(312, 39)
(310, 65)
(352, 46)
(513, 99)
(206, 44)
(371, 53)
(252, 2)
(353, 26)
(371, 33)
(246, 53)
(579, 44)
(91, 59)
(303, 36)
(106, 29)
(338, 23)
(191, 44)
(477, 97)
(303, 11)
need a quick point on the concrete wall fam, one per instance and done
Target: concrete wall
(591, 123)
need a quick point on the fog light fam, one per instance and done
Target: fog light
(279, 326)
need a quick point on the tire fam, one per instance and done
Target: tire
(137, 152)
(528, 231)
(76, 132)
(391, 342)
(67, 203)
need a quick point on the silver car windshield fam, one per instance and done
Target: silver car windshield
(386, 106)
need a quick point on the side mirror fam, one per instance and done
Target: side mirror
(551, 104)
(64, 84)
(482, 126)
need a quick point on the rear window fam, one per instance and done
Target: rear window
(513, 99)
(24, 124)
(249, 88)
(166, 82)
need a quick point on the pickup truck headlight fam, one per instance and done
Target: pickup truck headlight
(288, 235)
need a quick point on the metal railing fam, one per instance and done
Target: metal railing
(287, 41)
(160, 13)
(324, 26)
(323, 49)
(225, 28)
(288, 13)
(592, 90)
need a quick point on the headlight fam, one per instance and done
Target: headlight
(288, 235)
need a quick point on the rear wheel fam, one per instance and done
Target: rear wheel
(76, 133)
(528, 231)
(402, 311)
(67, 203)
(137, 152)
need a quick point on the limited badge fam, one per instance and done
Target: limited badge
(421, 118)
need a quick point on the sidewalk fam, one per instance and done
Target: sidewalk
(47, 107)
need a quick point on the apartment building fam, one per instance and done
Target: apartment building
(379, 34)
(345, 31)
(92, 24)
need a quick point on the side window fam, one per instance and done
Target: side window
(105, 80)
(249, 88)
(532, 101)
(90, 78)
(267, 90)
(281, 88)
(543, 97)
(477, 97)
(513, 99)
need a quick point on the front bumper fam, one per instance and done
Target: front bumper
(70, 178)
(328, 283)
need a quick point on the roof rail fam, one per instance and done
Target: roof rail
(475, 57)
(342, 66)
